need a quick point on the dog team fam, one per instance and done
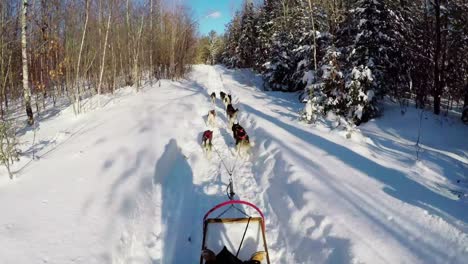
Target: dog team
(238, 132)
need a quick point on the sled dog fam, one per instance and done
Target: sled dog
(227, 100)
(231, 114)
(213, 97)
(222, 95)
(242, 139)
(206, 142)
(211, 118)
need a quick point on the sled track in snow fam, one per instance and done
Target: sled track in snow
(244, 176)
(267, 167)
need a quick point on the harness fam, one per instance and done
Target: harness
(208, 134)
(241, 134)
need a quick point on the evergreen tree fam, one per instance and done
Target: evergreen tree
(371, 37)
(350, 54)
(230, 56)
(265, 30)
(278, 70)
(329, 89)
(247, 40)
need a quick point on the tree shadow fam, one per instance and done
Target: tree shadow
(436, 149)
(397, 183)
(306, 235)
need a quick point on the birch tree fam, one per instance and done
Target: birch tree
(24, 55)
(104, 56)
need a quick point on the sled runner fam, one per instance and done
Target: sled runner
(242, 236)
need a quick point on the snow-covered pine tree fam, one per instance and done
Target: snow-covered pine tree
(291, 47)
(360, 95)
(230, 56)
(329, 90)
(265, 30)
(372, 40)
(308, 50)
(247, 44)
(281, 64)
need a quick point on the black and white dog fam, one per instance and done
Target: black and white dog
(242, 139)
(213, 97)
(211, 120)
(206, 142)
(222, 95)
(227, 100)
(231, 114)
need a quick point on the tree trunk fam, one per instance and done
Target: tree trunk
(136, 55)
(465, 105)
(172, 52)
(313, 34)
(24, 54)
(437, 92)
(77, 85)
(465, 102)
(151, 41)
(103, 58)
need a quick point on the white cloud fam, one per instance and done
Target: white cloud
(215, 14)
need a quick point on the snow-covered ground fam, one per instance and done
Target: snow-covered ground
(129, 183)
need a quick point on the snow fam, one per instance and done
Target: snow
(362, 73)
(129, 183)
(362, 21)
(370, 95)
(358, 111)
(309, 77)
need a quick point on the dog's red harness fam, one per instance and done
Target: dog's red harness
(208, 134)
(241, 135)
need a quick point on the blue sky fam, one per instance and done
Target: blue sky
(213, 14)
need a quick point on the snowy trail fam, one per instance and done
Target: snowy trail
(320, 193)
(129, 183)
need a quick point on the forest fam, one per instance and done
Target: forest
(51, 49)
(342, 56)
(348, 55)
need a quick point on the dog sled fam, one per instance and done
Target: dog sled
(242, 236)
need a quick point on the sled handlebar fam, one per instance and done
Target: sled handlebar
(232, 202)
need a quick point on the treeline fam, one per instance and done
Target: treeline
(78, 48)
(209, 48)
(349, 54)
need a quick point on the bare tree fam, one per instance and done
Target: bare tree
(24, 55)
(104, 55)
(77, 100)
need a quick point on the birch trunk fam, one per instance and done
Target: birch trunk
(151, 40)
(24, 55)
(136, 55)
(103, 59)
(77, 85)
